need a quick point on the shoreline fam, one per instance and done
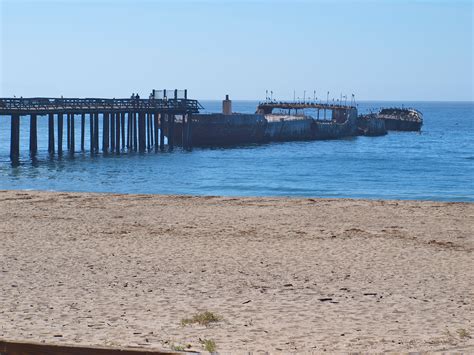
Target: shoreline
(469, 200)
(283, 274)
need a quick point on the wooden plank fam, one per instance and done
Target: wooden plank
(23, 348)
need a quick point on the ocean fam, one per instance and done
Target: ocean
(435, 164)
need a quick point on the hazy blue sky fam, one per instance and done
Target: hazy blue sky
(394, 50)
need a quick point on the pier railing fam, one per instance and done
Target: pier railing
(43, 105)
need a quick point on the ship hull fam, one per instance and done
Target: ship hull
(236, 129)
(223, 130)
(370, 125)
(402, 125)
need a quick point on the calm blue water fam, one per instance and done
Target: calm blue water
(436, 164)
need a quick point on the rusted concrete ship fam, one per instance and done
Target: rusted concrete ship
(289, 121)
(266, 125)
(285, 126)
(401, 119)
(371, 125)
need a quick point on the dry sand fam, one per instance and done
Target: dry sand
(291, 275)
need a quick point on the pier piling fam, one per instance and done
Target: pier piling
(171, 119)
(141, 133)
(91, 132)
(105, 132)
(129, 130)
(83, 130)
(96, 132)
(183, 132)
(112, 131)
(51, 133)
(33, 135)
(68, 131)
(122, 126)
(60, 133)
(15, 138)
(155, 119)
(148, 131)
(135, 132)
(162, 133)
(73, 135)
(152, 131)
(117, 133)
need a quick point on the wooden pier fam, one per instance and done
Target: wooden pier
(132, 124)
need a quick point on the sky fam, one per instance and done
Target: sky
(376, 50)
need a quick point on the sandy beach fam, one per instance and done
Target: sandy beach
(289, 275)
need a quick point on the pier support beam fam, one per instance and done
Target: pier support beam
(162, 131)
(105, 132)
(91, 132)
(73, 135)
(83, 130)
(112, 131)
(171, 119)
(33, 135)
(141, 132)
(117, 133)
(68, 131)
(148, 131)
(15, 138)
(152, 131)
(122, 126)
(96, 132)
(51, 133)
(155, 119)
(60, 133)
(135, 132)
(129, 130)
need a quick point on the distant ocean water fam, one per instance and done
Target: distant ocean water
(436, 164)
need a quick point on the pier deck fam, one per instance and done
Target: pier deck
(43, 106)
